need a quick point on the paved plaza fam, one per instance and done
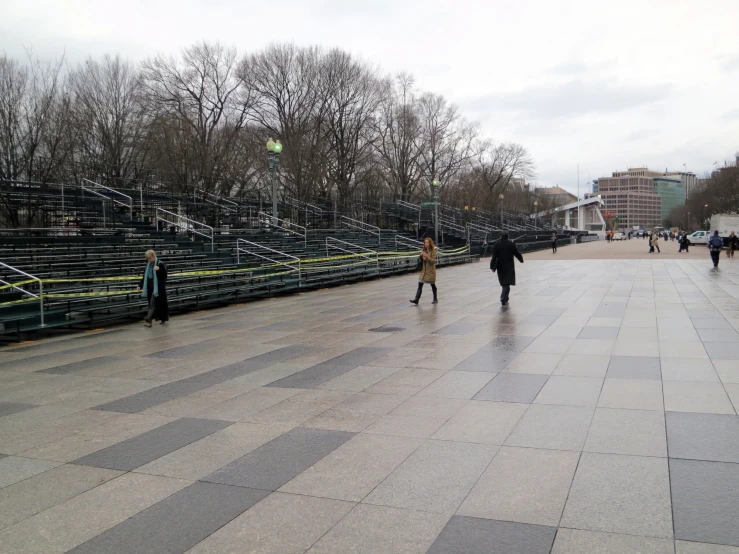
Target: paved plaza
(597, 413)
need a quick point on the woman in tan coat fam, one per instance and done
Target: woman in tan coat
(428, 270)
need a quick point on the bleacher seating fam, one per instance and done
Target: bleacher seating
(89, 263)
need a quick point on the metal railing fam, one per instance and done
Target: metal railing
(471, 228)
(358, 250)
(295, 262)
(234, 206)
(130, 200)
(40, 294)
(284, 225)
(189, 225)
(403, 241)
(361, 226)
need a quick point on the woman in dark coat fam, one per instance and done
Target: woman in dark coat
(504, 251)
(154, 288)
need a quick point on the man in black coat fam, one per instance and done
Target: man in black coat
(502, 262)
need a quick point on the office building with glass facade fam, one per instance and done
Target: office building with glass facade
(672, 192)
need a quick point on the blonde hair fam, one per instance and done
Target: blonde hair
(151, 254)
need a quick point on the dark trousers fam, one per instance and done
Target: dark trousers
(505, 293)
(554, 248)
(715, 256)
(420, 290)
(152, 308)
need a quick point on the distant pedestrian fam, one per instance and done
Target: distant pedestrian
(715, 244)
(428, 270)
(502, 262)
(554, 243)
(684, 243)
(733, 244)
(654, 243)
(154, 288)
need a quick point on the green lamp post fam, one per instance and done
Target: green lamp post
(274, 149)
(435, 184)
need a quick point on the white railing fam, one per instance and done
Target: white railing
(129, 205)
(40, 294)
(284, 225)
(350, 248)
(233, 205)
(361, 226)
(183, 222)
(294, 261)
(304, 205)
(408, 205)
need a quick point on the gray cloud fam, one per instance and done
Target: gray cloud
(731, 64)
(573, 68)
(574, 98)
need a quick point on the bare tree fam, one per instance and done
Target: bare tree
(399, 137)
(109, 122)
(290, 107)
(198, 106)
(353, 94)
(449, 140)
(35, 142)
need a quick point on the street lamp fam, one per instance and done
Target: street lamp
(536, 215)
(274, 149)
(435, 184)
(501, 210)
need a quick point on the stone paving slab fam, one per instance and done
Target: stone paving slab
(582, 418)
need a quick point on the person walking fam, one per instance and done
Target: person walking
(715, 245)
(504, 251)
(554, 243)
(154, 288)
(684, 243)
(733, 244)
(428, 270)
(654, 243)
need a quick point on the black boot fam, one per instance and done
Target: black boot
(418, 294)
(433, 289)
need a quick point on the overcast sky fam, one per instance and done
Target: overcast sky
(607, 84)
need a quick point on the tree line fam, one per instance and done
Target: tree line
(718, 194)
(201, 120)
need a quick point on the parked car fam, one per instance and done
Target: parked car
(699, 237)
(619, 236)
(640, 233)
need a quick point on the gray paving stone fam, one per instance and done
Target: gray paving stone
(379, 529)
(575, 541)
(632, 432)
(590, 332)
(718, 335)
(177, 523)
(704, 501)
(722, 350)
(553, 427)
(152, 397)
(84, 364)
(330, 369)
(185, 350)
(482, 422)
(271, 466)
(9, 408)
(711, 437)
(149, 446)
(14, 469)
(570, 391)
(435, 478)
(470, 535)
(512, 387)
(487, 359)
(525, 485)
(684, 547)
(605, 483)
(610, 310)
(513, 343)
(634, 367)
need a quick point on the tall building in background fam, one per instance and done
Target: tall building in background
(595, 186)
(688, 179)
(630, 196)
(671, 191)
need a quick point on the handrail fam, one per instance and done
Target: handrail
(239, 250)
(40, 294)
(372, 253)
(408, 205)
(471, 227)
(408, 242)
(299, 204)
(218, 199)
(361, 225)
(192, 230)
(130, 200)
(285, 226)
